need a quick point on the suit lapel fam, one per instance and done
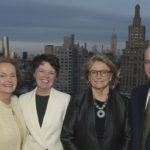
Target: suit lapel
(141, 104)
(33, 118)
(33, 111)
(50, 110)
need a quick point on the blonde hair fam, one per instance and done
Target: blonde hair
(14, 62)
(106, 61)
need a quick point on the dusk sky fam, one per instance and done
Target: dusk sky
(31, 24)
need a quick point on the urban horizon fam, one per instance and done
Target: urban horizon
(91, 22)
(34, 48)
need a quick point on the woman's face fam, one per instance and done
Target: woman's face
(99, 75)
(8, 78)
(45, 76)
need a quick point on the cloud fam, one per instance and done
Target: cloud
(34, 20)
(48, 21)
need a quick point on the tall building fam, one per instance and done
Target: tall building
(131, 66)
(24, 55)
(67, 81)
(12, 55)
(5, 46)
(72, 58)
(113, 44)
(82, 57)
(69, 42)
(49, 49)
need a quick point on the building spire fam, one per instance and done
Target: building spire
(137, 18)
(113, 44)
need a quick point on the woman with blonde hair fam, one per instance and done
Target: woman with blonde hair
(12, 126)
(98, 118)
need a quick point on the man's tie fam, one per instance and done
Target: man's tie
(146, 127)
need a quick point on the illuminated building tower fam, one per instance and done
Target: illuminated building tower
(12, 54)
(113, 45)
(132, 69)
(5, 46)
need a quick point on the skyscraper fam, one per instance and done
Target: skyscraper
(48, 49)
(67, 57)
(72, 58)
(113, 45)
(12, 55)
(5, 46)
(132, 69)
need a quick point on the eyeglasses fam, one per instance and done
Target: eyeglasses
(146, 62)
(103, 73)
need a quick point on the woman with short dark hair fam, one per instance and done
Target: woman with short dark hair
(44, 107)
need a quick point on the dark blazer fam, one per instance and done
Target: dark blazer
(79, 132)
(138, 102)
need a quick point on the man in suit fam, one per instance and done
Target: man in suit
(140, 103)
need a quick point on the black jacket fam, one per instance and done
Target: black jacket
(79, 132)
(138, 101)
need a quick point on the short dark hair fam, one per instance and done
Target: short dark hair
(14, 62)
(106, 61)
(51, 59)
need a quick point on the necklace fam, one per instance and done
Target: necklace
(101, 112)
(13, 112)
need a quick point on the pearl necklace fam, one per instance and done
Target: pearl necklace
(101, 112)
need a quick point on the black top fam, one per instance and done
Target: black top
(79, 132)
(100, 122)
(41, 105)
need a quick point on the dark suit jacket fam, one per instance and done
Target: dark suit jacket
(138, 101)
(79, 132)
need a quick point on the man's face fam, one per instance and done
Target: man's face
(147, 63)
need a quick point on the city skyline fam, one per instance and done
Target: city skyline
(32, 24)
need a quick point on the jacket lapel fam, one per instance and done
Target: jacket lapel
(50, 110)
(33, 111)
(109, 127)
(33, 118)
(142, 103)
(90, 114)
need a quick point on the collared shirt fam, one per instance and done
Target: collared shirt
(147, 99)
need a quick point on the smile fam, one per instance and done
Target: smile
(45, 81)
(9, 85)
